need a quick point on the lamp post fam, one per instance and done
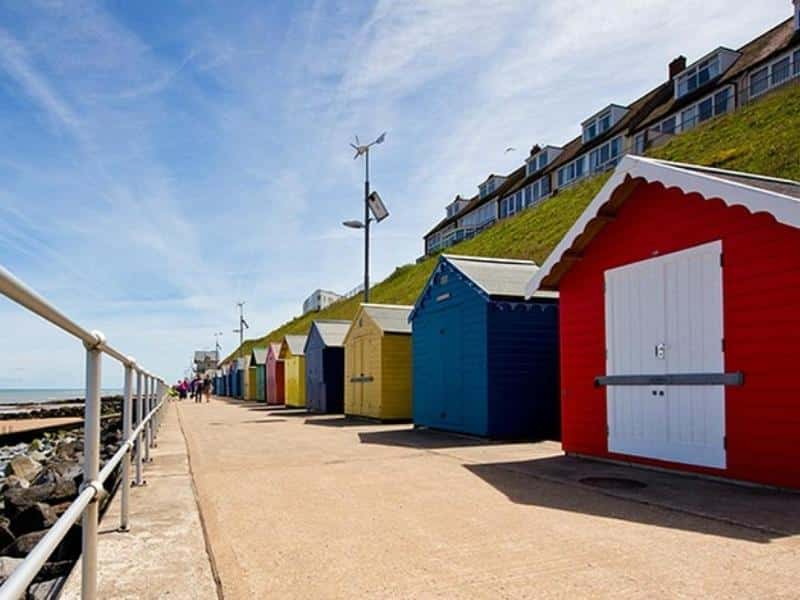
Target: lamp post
(363, 149)
(217, 345)
(242, 325)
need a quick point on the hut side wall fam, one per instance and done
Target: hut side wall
(449, 350)
(315, 381)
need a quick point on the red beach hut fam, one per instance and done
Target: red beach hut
(275, 378)
(679, 294)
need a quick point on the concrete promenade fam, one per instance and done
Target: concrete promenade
(300, 506)
(164, 554)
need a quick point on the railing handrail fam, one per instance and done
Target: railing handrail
(14, 289)
(150, 393)
(25, 573)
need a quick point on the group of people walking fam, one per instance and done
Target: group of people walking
(197, 388)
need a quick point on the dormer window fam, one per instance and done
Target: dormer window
(490, 185)
(539, 160)
(602, 122)
(698, 75)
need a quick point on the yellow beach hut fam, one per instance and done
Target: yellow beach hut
(377, 357)
(294, 370)
(243, 367)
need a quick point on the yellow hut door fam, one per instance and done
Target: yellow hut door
(359, 375)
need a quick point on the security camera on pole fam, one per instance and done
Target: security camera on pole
(372, 203)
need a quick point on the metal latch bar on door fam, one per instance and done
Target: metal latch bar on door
(732, 379)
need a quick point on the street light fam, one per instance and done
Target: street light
(369, 201)
(217, 346)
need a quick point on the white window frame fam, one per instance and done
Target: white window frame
(571, 165)
(682, 82)
(611, 160)
(793, 71)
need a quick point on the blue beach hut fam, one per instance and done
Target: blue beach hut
(485, 360)
(324, 354)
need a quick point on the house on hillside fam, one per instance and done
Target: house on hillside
(711, 86)
(319, 300)
(720, 81)
(678, 345)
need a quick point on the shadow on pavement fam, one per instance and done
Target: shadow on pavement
(421, 438)
(335, 421)
(693, 503)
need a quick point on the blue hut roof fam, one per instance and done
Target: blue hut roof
(493, 278)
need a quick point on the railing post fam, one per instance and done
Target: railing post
(91, 466)
(148, 406)
(127, 421)
(139, 417)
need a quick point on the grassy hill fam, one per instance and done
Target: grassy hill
(760, 138)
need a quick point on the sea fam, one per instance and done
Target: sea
(32, 396)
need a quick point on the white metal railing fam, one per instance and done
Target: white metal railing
(151, 395)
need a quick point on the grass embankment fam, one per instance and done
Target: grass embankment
(763, 138)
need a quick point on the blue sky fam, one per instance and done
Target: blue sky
(163, 160)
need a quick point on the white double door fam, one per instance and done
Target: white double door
(663, 317)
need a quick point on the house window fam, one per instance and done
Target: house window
(543, 160)
(571, 172)
(591, 131)
(698, 76)
(705, 110)
(604, 123)
(544, 187)
(639, 143)
(780, 71)
(528, 195)
(759, 81)
(668, 125)
(605, 156)
(796, 58)
(721, 102)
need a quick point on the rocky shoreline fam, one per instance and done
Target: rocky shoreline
(38, 481)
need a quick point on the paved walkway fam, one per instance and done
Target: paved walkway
(164, 554)
(322, 507)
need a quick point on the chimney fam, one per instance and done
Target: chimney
(796, 15)
(679, 64)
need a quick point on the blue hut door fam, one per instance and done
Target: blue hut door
(451, 365)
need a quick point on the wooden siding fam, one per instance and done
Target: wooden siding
(252, 383)
(761, 293)
(294, 371)
(523, 370)
(362, 359)
(261, 383)
(315, 380)
(450, 358)
(394, 399)
(275, 380)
